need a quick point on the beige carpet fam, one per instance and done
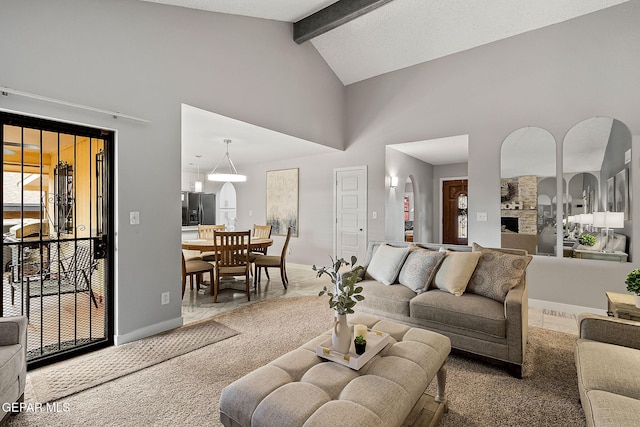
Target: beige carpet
(185, 390)
(65, 378)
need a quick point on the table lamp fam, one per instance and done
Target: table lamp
(585, 220)
(607, 221)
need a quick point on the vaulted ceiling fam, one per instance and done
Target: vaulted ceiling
(396, 35)
(402, 33)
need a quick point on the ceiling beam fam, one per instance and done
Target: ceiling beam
(331, 17)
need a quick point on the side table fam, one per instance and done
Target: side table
(622, 306)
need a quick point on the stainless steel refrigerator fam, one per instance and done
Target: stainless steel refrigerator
(198, 208)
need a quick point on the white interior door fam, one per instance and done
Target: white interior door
(350, 212)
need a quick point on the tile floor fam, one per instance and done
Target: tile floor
(198, 305)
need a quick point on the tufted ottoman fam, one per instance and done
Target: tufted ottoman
(300, 388)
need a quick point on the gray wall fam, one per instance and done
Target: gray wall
(553, 78)
(145, 60)
(401, 165)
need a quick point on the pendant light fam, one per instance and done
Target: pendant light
(232, 175)
(198, 183)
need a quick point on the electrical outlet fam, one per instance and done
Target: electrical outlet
(289, 251)
(164, 300)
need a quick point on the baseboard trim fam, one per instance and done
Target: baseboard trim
(565, 308)
(148, 331)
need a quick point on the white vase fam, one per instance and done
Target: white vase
(637, 299)
(341, 335)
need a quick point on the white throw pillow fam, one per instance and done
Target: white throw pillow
(455, 271)
(386, 263)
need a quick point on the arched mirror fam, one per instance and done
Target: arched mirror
(597, 168)
(408, 208)
(528, 191)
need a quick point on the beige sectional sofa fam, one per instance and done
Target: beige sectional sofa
(608, 363)
(475, 296)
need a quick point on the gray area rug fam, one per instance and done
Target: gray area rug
(185, 390)
(80, 373)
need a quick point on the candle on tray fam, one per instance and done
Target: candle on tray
(360, 330)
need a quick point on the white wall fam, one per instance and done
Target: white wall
(146, 60)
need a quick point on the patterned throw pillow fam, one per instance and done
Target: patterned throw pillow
(386, 263)
(419, 268)
(497, 273)
(455, 271)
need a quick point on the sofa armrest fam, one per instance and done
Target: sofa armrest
(516, 310)
(13, 330)
(609, 330)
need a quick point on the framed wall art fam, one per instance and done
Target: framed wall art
(282, 201)
(611, 203)
(622, 193)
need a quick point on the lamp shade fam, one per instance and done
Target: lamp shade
(232, 175)
(585, 219)
(608, 219)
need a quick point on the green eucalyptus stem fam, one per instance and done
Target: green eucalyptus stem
(345, 293)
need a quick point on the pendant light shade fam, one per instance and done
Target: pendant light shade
(198, 184)
(221, 175)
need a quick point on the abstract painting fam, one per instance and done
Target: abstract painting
(611, 203)
(622, 193)
(282, 201)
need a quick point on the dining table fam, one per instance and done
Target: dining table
(202, 245)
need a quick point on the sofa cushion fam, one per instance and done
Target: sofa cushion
(610, 409)
(386, 299)
(620, 363)
(455, 271)
(419, 268)
(469, 311)
(497, 273)
(386, 263)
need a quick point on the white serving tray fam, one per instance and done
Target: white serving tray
(376, 341)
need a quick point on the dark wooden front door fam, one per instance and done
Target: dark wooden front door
(454, 212)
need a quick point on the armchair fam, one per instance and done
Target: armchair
(13, 361)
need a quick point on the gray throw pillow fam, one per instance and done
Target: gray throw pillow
(497, 273)
(419, 268)
(386, 263)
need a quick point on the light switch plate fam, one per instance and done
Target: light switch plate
(374, 215)
(134, 218)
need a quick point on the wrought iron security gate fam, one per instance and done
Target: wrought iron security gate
(57, 234)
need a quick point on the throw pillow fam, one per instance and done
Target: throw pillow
(386, 263)
(497, 273)
(455, 271)
(419, 268)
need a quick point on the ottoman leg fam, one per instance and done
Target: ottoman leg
(442, 379)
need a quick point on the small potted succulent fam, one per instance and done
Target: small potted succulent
(633, 285)
(360, 343)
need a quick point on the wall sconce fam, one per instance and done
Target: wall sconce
(394, 182)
